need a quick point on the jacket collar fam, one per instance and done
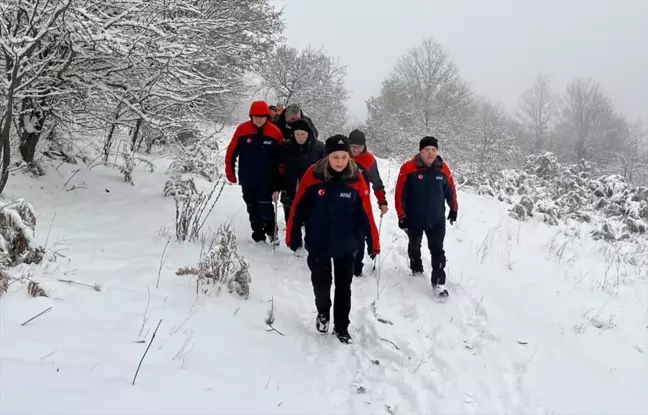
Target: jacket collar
(347, 175)
(418, 161)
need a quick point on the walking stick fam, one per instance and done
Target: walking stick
(275, 242)
(379, 229)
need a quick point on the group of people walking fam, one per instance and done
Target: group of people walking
(324, 189)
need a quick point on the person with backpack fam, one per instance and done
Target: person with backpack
(333, 202)
(369, 169)
(256, 144)
(425, 184)
(297, 154)
(290, 114)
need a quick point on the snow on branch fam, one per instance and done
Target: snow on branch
(312, 79)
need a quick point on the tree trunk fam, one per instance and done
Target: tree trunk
(111, 133)
(30, 126)
(135, 133)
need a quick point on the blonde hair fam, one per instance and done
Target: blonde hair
(349, 171)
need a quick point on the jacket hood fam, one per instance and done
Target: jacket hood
(260, 109)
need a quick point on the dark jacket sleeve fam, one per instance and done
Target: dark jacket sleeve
(282, 165)
(450, 191)
(300, 210)
(377, 183)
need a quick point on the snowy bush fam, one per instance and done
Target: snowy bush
(179, 186)
(552, 191)
(222, 265)
(17, 226)
(4, 280)
(201, 158)
(193, 209)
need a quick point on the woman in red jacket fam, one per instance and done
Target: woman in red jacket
(332, 202)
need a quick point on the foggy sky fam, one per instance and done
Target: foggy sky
(499, 45)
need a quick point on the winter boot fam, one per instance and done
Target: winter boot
(440, 290)
(258, 234)
(343, 335)
(417, 272)
(322, 323)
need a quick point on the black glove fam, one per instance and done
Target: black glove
(452, 216)
(402, 223)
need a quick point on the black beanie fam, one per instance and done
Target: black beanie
(357, 138)
(301, 125)
(337, 143)
(428, 141)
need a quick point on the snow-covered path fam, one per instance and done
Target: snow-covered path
(527, 328)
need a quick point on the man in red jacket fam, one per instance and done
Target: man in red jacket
(369, 169)
(256, 143)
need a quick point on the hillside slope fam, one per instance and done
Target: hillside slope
(540, 319)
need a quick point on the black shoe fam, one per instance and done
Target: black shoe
(258, 237)
(343, 335)
(417, 272)
(322, 323)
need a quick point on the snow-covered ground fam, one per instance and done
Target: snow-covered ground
(540, 319)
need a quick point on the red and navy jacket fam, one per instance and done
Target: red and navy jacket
(257, 150)
(422, 192)
(334, 212)
(369, 169)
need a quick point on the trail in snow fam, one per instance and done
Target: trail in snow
(520, 332)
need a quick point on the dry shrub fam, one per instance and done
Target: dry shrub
(17, 226)
(222, 265)
(4, 281)
(188, 271)
(193, 209)
(179, 185)
(35, 290)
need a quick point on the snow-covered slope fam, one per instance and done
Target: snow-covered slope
(540, 319)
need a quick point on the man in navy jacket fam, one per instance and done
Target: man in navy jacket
(425, 184)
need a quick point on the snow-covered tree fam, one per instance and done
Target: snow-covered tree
(632, 157)
(537, 110)
(312, 79)
(423, 95)
(126, 64)
(587, 122)
(491, 139)
(28, 47)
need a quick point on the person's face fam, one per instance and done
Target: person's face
(356, 149)
(301, 136)
(290, 118)
(338, 160)
(259, 121)
(273, 113)
(429, 154)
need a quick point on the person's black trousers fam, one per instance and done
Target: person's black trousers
(435, 237)
(322, 276)
(258, 201)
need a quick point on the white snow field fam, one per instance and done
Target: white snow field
(540, 319)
